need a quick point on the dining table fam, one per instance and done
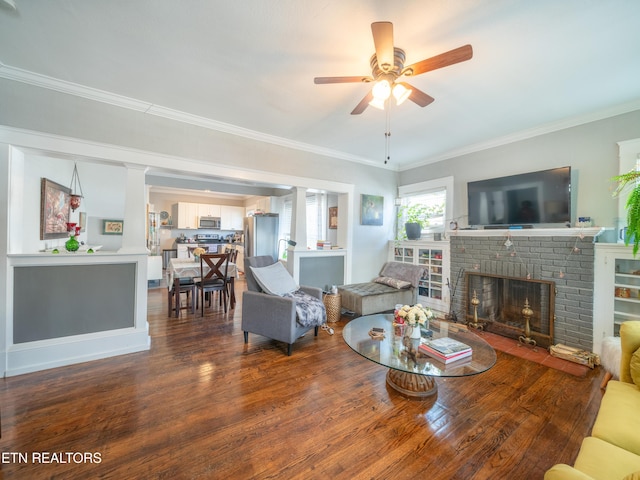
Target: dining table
(190, 268)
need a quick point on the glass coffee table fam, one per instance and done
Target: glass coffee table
(411, 372)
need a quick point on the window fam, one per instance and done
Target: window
(316, 218)
(428, 203)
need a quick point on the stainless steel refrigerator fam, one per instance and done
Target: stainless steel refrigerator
(261, 235)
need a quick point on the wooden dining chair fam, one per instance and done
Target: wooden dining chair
(180, 286)
(213, 278)
(233, 253)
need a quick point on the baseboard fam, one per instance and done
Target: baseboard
(42, 355)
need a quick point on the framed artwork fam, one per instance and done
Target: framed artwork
(54, 210)
(333, 217)
(371, 209)
(112, 227)
(83, 221)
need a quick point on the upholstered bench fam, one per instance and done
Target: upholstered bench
(396, 284)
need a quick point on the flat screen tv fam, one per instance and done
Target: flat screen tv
(527, 199)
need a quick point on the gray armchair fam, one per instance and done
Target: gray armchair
(270, 315)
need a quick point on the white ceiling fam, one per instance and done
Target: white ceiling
(248, 66)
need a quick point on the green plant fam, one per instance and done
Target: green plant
(416, 213)
(632, 206)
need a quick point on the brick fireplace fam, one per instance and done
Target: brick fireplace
(563, 258)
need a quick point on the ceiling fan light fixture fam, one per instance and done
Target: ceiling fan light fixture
(377, 103)
(381, 90)
(401, 93)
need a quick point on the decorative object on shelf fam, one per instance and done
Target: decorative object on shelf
(412, 318)
(75, 185)
(54, 210)
(72, 245)
(371, 209)
(526, 339)
(632, 232)
(112, 227)
(475, 301)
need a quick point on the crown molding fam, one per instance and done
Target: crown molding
(530, 133)
(94, 94)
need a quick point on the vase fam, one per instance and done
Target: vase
(72, 245)
(413, 230)
(412, 331)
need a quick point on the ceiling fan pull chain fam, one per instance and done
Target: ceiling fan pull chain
(387, 136)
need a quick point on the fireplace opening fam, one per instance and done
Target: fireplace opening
(498, 303)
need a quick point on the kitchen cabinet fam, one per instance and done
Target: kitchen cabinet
(616, 290)
(231, 218)
(434, 257)
(185, 215)
(208, 210)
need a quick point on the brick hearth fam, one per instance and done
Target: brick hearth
(567, 260)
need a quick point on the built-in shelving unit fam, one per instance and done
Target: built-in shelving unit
(616, 297)
(434, 257)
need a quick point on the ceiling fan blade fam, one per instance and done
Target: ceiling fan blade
(451, 57)
(383, 40)
(321, 80)
(364, 103)
(418, 96)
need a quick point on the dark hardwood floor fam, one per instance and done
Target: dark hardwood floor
(201, 404)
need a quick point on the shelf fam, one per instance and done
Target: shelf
(629, 300)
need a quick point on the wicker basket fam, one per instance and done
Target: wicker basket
(332, 302)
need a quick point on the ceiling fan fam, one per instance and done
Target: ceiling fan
(387, 68)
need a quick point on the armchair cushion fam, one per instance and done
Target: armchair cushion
(393, 282)
(274, 279)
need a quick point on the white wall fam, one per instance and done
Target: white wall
(104, 191)
(590, 150)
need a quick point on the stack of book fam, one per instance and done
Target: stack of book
(445, 349)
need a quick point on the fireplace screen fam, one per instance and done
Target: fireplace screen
(500, 303)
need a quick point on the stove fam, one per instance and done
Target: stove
(207, 238)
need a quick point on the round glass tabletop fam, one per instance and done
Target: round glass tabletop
(404, 354)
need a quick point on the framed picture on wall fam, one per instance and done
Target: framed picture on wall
(83, 221)
(54, 210)
(371, 209)
(333, 217)
(112, 227)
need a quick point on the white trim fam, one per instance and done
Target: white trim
(529, 232)
(430, 186)
(68, 147)
(24, 76)
(35, 356)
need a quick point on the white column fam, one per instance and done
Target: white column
(298, 230)
(133, 234)
(299, 218)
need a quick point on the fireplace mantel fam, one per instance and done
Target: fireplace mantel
(529, 232)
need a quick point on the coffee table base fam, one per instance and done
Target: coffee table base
(411, 385)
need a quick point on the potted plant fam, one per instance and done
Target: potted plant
(415, 218)
(632, 233)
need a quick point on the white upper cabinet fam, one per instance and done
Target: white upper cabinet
(231, 218)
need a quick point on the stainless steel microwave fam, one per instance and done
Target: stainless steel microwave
(209, 222)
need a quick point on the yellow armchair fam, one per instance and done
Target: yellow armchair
(629, 342)
(613, 449)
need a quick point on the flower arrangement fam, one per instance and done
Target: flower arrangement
(198, 251)
(414, 315)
